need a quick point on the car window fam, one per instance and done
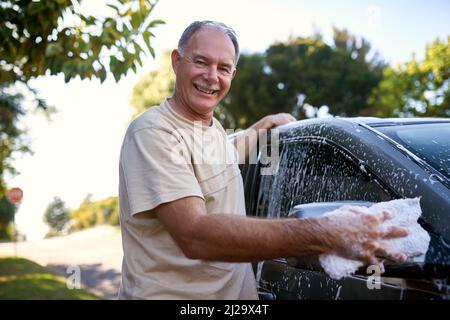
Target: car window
(430, 142)
(248, 172)
(314, 172)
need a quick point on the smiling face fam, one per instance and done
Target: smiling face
(203, 73)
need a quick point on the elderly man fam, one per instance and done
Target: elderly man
(184, 230)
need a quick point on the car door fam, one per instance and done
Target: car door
(312, 171)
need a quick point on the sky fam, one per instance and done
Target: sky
(77, 152)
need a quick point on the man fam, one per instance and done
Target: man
(184, 230)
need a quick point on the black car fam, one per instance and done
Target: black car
(325, 163)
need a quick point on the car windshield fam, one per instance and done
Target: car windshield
(430, 142)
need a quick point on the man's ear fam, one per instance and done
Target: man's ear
(234, 73)
(176, 57)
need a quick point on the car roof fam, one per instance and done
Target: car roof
(372, 122)
(379, 122)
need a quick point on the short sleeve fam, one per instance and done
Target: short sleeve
(156, 168)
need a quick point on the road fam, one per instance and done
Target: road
(97, 252)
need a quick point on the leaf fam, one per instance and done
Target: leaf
(67, 77)
(90, 20)
(137, 59)
(145, 7)
(114, 66)
(137, 48)
(136, 20)
(102, 74)
(126, 31)
(126, 13)
(146, 36)
(152, 52)
(53, 49)
(155, 23)
(33, 8)
(113, 7)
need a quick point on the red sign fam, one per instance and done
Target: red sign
(14, 195)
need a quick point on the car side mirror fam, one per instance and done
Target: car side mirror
(317, 209)
(310, 210)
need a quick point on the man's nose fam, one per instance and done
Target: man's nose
(212, 74)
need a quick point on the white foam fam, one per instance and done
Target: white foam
(405, 214)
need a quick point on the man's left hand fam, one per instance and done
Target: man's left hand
(278, 119)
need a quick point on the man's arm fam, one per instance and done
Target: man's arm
(246, 141)
(222, 237)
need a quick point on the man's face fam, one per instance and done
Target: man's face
(205, 71)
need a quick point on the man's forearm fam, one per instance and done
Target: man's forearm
(246, 141)
(223, 237)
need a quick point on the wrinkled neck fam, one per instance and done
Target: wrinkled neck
(183, 109)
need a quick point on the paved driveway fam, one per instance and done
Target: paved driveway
(97, 251)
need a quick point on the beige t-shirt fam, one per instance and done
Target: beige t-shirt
(166, 157)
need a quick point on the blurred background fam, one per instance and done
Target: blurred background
(75, 73)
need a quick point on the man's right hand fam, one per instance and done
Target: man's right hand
(356, 234)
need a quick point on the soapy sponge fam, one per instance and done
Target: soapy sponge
(405, 213)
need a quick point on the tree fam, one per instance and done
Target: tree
(154, 86)
(7, 211)
(51, 37)
(416, 88)
(38, 38)
(92, 213)
(56, 216)
(305, 71)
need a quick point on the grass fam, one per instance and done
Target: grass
(26, 280)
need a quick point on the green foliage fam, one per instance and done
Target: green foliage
(254, 92)
(11, 137)
(92, 213)
(38, 38)
(24, 279)
(56, 216)
(50, 37)
(340, 76)
(7, 211)
(416, 88)
(154, 87)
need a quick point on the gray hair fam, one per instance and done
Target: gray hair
(197, 25)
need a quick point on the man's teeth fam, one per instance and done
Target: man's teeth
(204, 90)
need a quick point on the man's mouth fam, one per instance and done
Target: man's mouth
(204, 89)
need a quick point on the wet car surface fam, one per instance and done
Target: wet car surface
(334, 161)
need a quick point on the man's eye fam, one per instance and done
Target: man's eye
(225, 70)
(200, 63)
